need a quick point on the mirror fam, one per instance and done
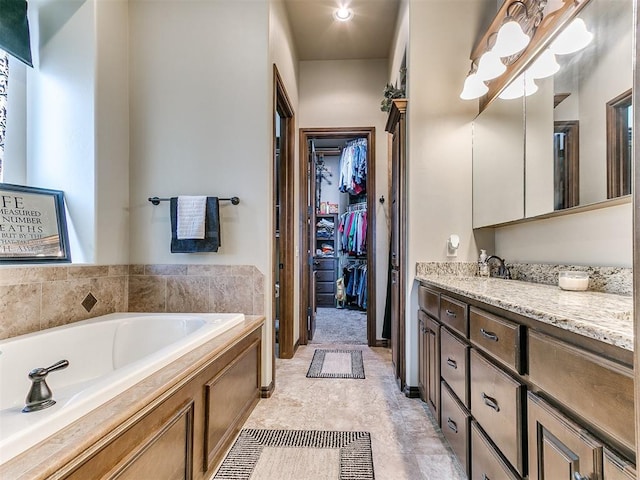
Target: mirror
(577, 133)
(498, 163)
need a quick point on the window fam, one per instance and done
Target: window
(619, 135)
(4, 82)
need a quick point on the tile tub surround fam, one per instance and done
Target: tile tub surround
(196, 288)
(602, 316)
(36, 297)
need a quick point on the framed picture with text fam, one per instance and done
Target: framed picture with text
(33, 225)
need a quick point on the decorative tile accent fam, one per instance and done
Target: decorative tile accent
(89, 302)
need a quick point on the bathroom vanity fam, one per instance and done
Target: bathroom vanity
(176, 423)
(527, 380)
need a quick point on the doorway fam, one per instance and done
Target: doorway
(283, 263)
(337, 227)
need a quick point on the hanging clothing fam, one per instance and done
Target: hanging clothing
(353, 167)
(353, 232)
(355, 279)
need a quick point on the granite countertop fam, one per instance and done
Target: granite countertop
(602, 316)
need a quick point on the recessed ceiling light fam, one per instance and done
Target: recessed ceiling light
(343, 14)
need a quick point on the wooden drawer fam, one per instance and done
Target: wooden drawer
(455, 426)
(596, 389)
(559, 449)
(325, 263)
(429, 301)
(433, 373)
(325, 275)
(325, 287)
(497, 405)
(454, 314)
(500, 338)
(615, 468)
(325, 300)
(486, 461)
(454, 364)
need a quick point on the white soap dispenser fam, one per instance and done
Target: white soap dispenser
(483, 266)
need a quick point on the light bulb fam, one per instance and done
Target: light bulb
(490, 66)
(473, 88)
(573, 38)
(343, 14)
(510, 39)
(544, 66)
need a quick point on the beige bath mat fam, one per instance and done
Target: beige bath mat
(336, 364)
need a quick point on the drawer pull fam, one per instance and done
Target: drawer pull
(452, 425)
(450, 313)
(484, 477)
(577, 476)
(490, 402)
(452, 363)
(489, 335)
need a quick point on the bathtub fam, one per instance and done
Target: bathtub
(106, 356)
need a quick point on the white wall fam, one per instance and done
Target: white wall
(61, 113)
(598, 237)
(200, 124)
(112, 132)
(347, 93)
(439, 129)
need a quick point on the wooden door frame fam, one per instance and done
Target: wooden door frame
(307, 134)
(282, 104)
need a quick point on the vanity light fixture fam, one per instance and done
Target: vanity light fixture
(573, 38)
(343, 14)
(490, 66)
(511, 38)
(521, 86)
(544, 66)
(474, 87)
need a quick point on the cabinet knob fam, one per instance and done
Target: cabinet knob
(489, 335)
(452, 363)
(452, 425)
(491, 402)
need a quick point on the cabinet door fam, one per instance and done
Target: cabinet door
(423, 359)
(433, 367)
(559, 449)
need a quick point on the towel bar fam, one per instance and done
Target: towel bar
(157, 200)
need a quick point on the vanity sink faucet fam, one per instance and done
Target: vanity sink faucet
(40, 395)
(503, 271)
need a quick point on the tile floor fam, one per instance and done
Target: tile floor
(406, 443)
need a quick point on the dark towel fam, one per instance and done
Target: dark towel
(211, 240)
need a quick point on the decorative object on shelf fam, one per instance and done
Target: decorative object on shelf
(391, 92)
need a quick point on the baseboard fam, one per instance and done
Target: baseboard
(381, 342)
(411, 392)
(266, 392)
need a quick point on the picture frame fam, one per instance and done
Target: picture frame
(33, 225)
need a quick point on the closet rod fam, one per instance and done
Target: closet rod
(157, 200)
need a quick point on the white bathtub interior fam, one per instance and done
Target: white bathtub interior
(106, 356)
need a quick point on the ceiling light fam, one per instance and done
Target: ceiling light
(544, 66)
(343, 14)
(573, 38)
(473, 88)
(490, 66)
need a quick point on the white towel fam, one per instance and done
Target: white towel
(190, 217)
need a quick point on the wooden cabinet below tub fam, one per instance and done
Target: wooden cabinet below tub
(185, 432)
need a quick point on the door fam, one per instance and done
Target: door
(311, 222)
